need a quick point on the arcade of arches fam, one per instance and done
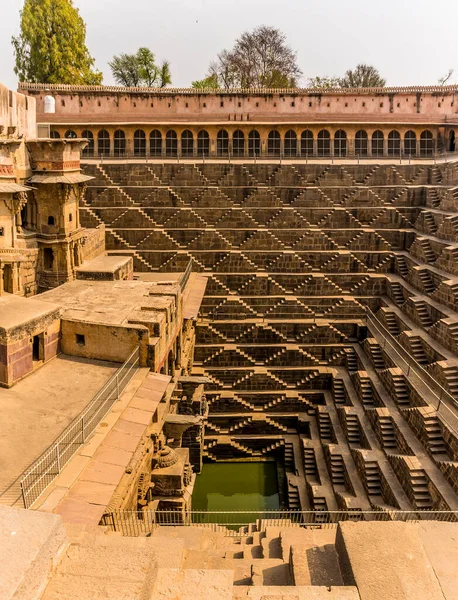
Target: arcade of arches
(248, 141)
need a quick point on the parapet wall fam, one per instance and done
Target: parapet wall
(17, 114)
(79, 104)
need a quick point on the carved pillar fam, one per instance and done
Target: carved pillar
(16, 278)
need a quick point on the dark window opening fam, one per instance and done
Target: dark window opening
(290, 143)
(37, 354)
(139, 143)
(203, 143)
(273, 143)
(361, 143)
(70, 217)
(48, 258)
(324, 143)
(155, 143)
(340, 143)
(80, 339)
(222, 143)
(410, 143)
(51, 221)
(377, 143)
(394, 143)
(254, 143)
(119, 142)
(89, 150)
(171, 143)
(306, 142)
(104, 142)
(187, 143)
(238, 143)
(452, 143)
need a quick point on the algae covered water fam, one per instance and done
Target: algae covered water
(237, 486)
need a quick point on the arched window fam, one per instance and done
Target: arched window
(377, 143)
(89, 136)
(340, 143)
(394, 143)
(306, 142)
(238, 143)
(451, 141)
(426, 143)
(222, 143)
(103, 140)
(361, 143)
(324, 143)
(203, 143)
(171, 143)
(273, 143)
(70, 134)
(55, 135)
(119, 142)
(254, 143)
(139, 143)
(290, 143)
(410, 143)
(155, 143)
(187, 143)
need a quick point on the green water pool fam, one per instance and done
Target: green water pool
(229, 486)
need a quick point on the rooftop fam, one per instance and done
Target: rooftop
(15, 311)
(107, 302)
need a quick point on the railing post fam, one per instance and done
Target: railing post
(23, 494)
(58, 457)
(82, 430)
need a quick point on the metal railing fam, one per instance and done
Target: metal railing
(415, 373)
(185, 276)
(305, 157)
(47, 467)
(135, 523)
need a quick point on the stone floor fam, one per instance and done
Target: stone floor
(39, 408)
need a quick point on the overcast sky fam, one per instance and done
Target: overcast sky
(411, 42)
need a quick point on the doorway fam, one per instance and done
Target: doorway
(37, 348)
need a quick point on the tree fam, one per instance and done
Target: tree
(259, 59)
(126, 70)
(362, 77)
(208, 83)
(51, 46)
(140, 69)
(324, 82)
(445, 79)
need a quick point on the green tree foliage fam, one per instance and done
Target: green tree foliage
(324, 82)
(362, 76)
(208, 83)
(51, 46)
(259, 59)
(140, 70)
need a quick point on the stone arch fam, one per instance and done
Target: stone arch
(187, 143)
(155, 143)
(324, 143)
(290, 143)
(238, 143)
(410, 143)
(104, 142)
(340, 143)
(426, 143)
(54, 135)
(378, 143)
(89, 150)
(171, 143)
(139, 143)
(70, 134)
(394, 143)
(274, 143)
(119, 146)
(307, 142)
(254, 143)
(361, 143)
(203, 143)
(222, 143)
